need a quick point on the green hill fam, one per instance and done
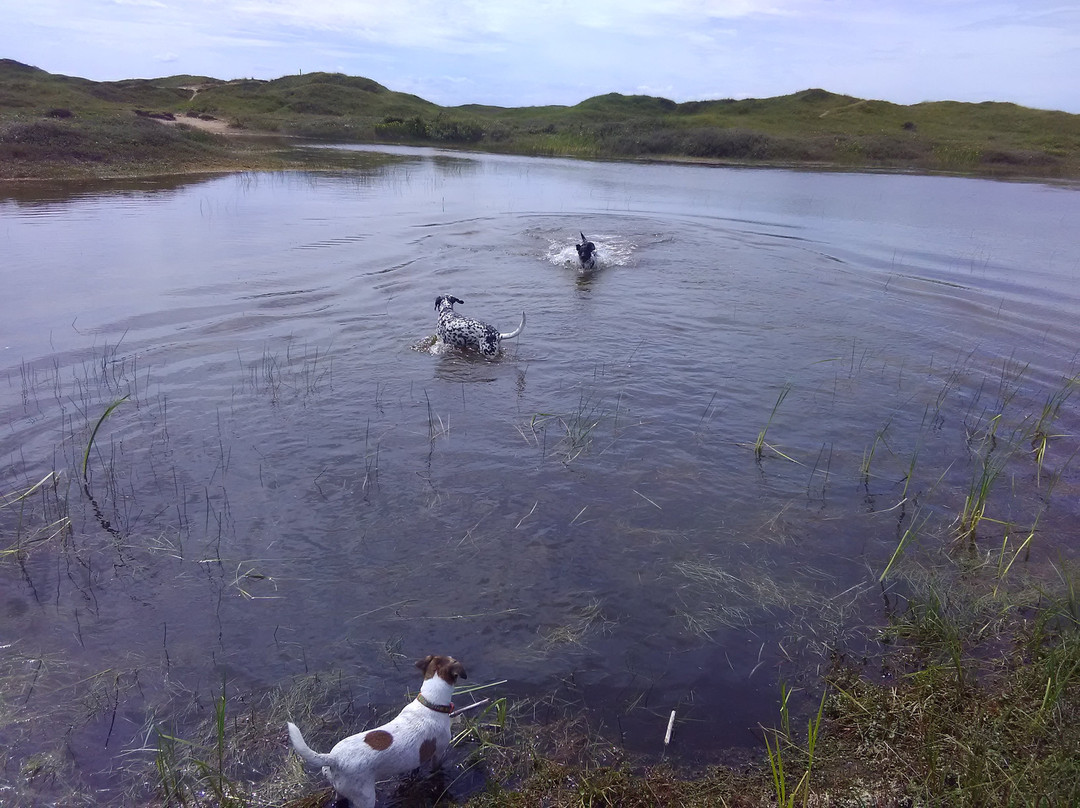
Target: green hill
(42, 113)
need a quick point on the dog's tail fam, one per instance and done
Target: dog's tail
(303, 750)
(516, 331)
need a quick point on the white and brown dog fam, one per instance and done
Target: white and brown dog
(417, 738)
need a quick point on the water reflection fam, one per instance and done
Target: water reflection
(29, 195)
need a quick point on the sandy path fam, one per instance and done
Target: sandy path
(216, 126)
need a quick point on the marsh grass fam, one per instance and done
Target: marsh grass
(573, 433)
(910, 534)
(299, 374)
(1041, 433)
(868, 455)
(972, 729)
(48, 690)
(237, 755)
(989, 465)
(783, 752)
(759, 444)
(436, 426)
(37, 519)
(586, 620)
(206, 778)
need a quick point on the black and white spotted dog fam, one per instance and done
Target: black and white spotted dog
(586, 253)
(467, 333)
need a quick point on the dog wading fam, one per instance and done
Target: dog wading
(417, 738)
(467, 333)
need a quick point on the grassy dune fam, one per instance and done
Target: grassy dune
(54, 126)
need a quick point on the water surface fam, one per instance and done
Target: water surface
(293, 484)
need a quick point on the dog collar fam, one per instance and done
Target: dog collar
(439, 708)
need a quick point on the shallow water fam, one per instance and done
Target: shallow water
(295, 484)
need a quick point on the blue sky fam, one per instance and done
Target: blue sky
(513, 53)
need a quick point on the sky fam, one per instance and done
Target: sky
(538, 52)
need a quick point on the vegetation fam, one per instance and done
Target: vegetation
(53, 125)
(964, 691)
(941, 721)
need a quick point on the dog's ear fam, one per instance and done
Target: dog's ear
(438, 302)
(583, 239)
(422, 664)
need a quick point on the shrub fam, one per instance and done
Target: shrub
(1018, 158)
(726, 143)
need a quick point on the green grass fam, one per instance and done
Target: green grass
(784, 747)
(73, 126)
(954, 725)
(759, 442)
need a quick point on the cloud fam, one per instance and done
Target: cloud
(515, 52)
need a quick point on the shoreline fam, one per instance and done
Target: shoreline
(258, 154)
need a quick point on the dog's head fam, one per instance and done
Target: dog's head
(446, 302)
(445, 667)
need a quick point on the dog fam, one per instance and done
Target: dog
(417, 738)
(467, 333)
(586, 253)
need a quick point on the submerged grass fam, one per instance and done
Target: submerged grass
(572, 434)
(34, 526)
(971, 697)
(947, 724)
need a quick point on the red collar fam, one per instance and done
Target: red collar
(439, 708)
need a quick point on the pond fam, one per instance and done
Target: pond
(677, 487)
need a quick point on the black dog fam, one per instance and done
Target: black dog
(467, 333)
(586, 253)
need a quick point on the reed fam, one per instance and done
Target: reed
(436, 426)
(760, 444)
(992, 456)
(1041, 433)
(93, 434)
(868, 455)
(783, 744)
(198, 775)
(909, 535)
(579, 427)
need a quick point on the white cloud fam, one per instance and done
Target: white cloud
(513, 52)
